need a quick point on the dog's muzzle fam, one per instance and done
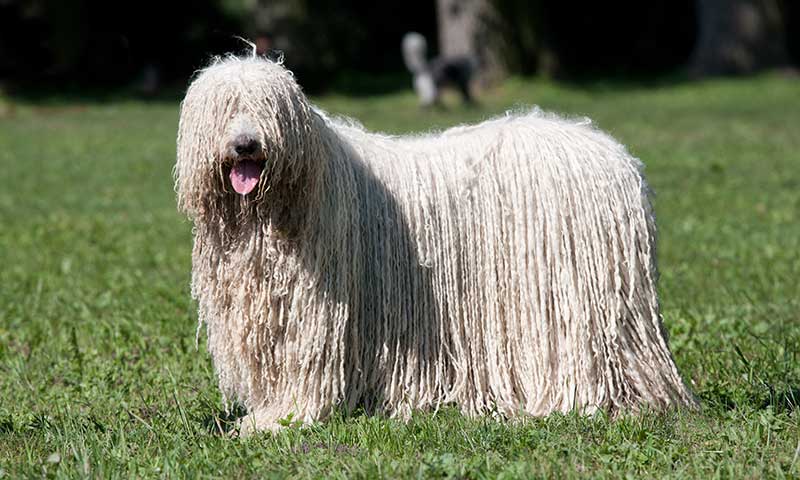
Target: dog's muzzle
(248, 163)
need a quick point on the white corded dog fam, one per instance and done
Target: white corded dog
(505, 267)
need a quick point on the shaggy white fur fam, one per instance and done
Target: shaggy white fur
(506, 267)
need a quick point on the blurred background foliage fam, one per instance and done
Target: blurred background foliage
(93, 43)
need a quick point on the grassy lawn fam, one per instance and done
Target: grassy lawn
(99, 374)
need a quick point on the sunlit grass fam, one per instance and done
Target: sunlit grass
(99, 375)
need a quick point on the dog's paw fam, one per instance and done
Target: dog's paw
(254, 423)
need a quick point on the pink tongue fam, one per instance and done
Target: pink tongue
(245, 175)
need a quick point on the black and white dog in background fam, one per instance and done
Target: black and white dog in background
(430, 76)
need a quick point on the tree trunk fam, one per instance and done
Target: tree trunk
(738, 37)
(465, 29)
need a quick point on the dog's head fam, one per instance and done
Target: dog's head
(247, 137)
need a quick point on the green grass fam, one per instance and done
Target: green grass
(99, 375)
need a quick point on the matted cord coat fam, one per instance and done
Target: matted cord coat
(506, 267)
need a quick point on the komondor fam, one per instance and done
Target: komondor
(506, 267)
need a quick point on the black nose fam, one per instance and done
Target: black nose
(246, 146)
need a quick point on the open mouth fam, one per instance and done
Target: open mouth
(245, 175)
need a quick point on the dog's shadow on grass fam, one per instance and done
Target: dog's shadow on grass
(765, 396)
(785, 399)
(223, 422)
